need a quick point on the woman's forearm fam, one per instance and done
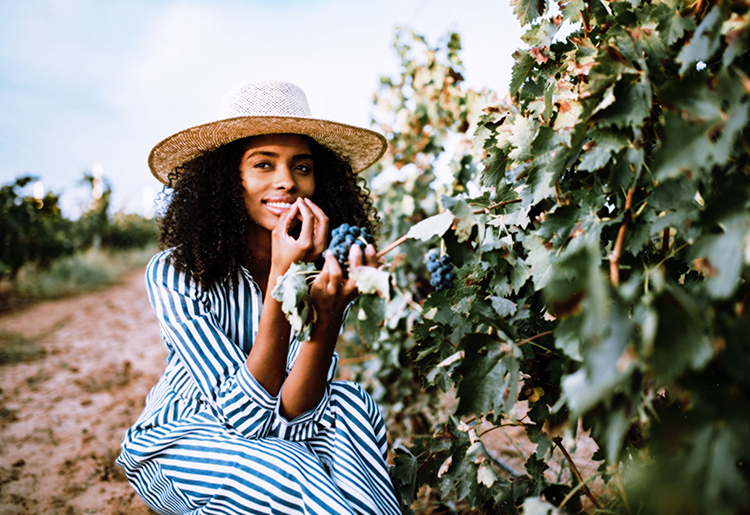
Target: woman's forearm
(308, 378)
(268, 356)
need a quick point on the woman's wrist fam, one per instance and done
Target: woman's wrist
(326, 327)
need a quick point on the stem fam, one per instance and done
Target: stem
(357, 359)
(573, 492)
(392, 246)
(484, 210)
(527, 340)
(665, 241)
(618, 482)
(586, 28)
(576, 473)
(614, 258)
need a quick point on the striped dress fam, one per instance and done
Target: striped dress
(211, 440)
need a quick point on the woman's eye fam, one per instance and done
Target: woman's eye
(304, 168)
(262, 164)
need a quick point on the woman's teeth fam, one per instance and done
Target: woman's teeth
(280, 205)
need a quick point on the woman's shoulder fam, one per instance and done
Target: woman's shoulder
(161, 271)
(160, 260)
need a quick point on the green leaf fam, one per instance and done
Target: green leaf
(371, 280)
(463, 217)
(631, 106)
(542, 33)
(370, 317)
(294, 294)
(404, 476)
(567, 337)
(432, 226)
(607, 365)
(503, 307)
(538, 506)
(672, 25)
(705, 41)
(691, 147)
(540, 260)
(528, 10)
(522, 67)
(522, 132)
(572, 8)
(680, 342)
(482, 391)
(720, 257)
(604, 144)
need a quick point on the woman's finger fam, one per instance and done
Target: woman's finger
(321, 227)
(287, 218)
(335, 275)
(355, 256)
(308, 224)
(371, 256)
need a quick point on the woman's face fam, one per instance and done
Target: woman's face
(276, 169)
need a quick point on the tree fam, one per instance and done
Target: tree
(31, 230)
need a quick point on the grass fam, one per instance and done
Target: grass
(16, 348)
(75, 274)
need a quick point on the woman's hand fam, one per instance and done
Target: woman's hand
(310, 243)
(330, 292)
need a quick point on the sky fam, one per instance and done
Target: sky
(95, 84)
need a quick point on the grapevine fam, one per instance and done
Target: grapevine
(622, 251)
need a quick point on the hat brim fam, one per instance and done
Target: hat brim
(359, 147)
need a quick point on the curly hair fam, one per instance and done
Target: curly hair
(206, 222)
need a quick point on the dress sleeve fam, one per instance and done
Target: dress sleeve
(215, 363)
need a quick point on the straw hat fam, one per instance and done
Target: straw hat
(258, 108)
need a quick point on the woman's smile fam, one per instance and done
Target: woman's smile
(279, 205)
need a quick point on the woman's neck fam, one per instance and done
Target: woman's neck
(258, 255)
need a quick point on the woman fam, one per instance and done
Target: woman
(246, 419)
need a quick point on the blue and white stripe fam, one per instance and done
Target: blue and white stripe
(211, 440)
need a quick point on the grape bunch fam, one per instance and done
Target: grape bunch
(342, 239)
(441, 270)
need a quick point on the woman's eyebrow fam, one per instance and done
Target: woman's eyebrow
(267, 153)
(262, 153)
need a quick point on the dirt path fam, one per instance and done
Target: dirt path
(62, 416)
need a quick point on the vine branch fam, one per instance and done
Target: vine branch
(665, 241)
(484, 210)
(357, 359)
(614, 258)
(576, 473)
(531, 339)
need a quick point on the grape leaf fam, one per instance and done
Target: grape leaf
(522, 67)
(404, 476)
(464, 219)
(538, 506)
(606, 143)
(371, 280)
(719, 115)
(720, 256)
(672, 25)
(528, 10)
(600, 379)
(370, 318)
(705, 42)
(294, 294)
(435, 225)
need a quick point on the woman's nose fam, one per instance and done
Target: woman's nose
(284, 178)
